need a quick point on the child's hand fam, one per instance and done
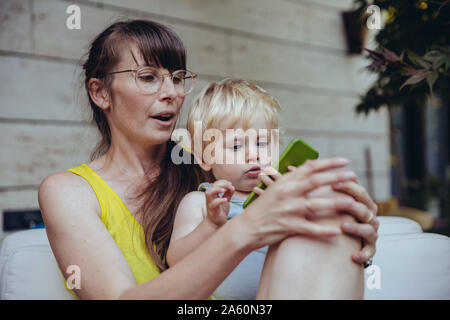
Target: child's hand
(217, 206)
(264, 177)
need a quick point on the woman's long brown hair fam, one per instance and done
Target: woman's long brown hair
(158, 46)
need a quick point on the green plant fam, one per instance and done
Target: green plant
(413, 55)
(412, 61)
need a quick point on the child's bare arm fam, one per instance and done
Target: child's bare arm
(198, 216)
(190, 228)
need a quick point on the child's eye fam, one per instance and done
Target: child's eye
(237, 146)
(262, 143)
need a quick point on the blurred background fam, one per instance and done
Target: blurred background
(307, 53)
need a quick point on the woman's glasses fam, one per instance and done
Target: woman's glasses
(149, 80)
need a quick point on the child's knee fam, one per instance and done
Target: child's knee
(322, 247)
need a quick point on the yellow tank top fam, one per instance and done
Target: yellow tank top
(123, 227)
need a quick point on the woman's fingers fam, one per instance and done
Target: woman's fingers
(312, 166)
(269, 175)
(266, 180)
(364, 255)
(362, 230)
(326, 207)
(258, 191)
(272, 173)
(359, 193)
(357, 209)
(307, 184)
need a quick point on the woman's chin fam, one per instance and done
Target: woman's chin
(158, 137)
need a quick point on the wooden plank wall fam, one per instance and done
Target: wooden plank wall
(295, 49)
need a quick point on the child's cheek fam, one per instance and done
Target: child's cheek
(265, 159)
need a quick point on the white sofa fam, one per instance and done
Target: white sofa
(409, 264)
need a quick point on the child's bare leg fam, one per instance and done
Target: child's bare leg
(311, 268)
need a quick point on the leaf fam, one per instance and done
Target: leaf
(431, 55)
(423, 63)
(390, 55)
(375, 55)
(414, 58)
(431, 79)
(418, 76)
(436, 58)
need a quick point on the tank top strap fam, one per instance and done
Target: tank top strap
(100, 188)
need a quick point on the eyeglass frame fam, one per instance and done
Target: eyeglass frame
(135, 71)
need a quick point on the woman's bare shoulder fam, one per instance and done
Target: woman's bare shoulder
(64, 189)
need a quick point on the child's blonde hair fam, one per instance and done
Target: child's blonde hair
(221, 105)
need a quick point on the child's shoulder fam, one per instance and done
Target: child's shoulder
(194, 197)
(192, 205)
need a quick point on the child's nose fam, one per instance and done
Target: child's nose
(252, 154)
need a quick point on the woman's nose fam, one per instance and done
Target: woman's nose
(168, 88)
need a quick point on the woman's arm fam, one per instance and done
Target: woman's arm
(78, 237)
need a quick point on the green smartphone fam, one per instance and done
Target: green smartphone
(296, 153)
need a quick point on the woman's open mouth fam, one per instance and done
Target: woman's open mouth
(164, 119)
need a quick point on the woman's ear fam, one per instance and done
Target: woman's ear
(99, 93)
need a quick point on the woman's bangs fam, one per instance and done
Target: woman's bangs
(161, 48)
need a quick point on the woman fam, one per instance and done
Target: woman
(95, 220)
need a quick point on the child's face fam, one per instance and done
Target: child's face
(244, 155)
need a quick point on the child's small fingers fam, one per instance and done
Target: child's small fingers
(291, 168)
(229, 193)
(217, 202)
(213, 192)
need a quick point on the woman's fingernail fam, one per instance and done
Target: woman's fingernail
(338, 185)
(342, 161)
(336, 231)
(349, 175)
(332, 231)
(347, 225)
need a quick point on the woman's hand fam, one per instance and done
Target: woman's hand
(355, 198)
(368, 227)
(284, 208)
(216, 206)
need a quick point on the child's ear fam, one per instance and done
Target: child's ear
(205, 166)
(199, 159)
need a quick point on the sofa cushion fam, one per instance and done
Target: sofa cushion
(397, 225)
(28, 269)
(409, 266)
